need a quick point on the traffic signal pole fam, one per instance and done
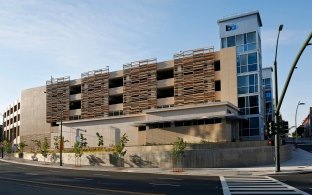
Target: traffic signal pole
(278, 103)
(277, 154)
(291, 71)
(277, 144)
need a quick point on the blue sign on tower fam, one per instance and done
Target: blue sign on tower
(230, 27)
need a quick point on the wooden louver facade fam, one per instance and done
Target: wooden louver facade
(194, 77)
(57, 95)
(140, 86)
(95, 94)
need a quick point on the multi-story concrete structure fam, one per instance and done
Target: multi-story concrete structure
(200, 95)
(11, 123)
(267, 83)
(193, 96)
(243, 32)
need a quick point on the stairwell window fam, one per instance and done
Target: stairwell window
(217, 65)
(218, 85)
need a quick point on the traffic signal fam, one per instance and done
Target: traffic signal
(271, 129)
(285, 127)
(271, 142)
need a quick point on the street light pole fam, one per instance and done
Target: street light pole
(61, 140)
(299, 104)
(277, 154)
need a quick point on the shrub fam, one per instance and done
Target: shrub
(21, 147)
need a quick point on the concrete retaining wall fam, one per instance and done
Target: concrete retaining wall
(196, 156)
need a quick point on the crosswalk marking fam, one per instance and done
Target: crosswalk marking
(256, 185)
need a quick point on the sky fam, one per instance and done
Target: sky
(44, 38)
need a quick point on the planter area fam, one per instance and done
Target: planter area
(238, 154)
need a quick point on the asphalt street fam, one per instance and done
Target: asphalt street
(302, 181)
(23, 179)
(20, 178)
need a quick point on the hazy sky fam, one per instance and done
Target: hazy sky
(44, 38)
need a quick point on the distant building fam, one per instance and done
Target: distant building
(11, 123)
(267, 83)
(307, 122)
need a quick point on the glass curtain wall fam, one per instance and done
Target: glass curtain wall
(248, 79)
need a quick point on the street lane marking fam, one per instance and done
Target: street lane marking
(80, 178)
(31, 173)
(98, 174)
(256, 185)
(54, 171)
(21, 167)
(175, 179)
(75, 187)
(165, 184)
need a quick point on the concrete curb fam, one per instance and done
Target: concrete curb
(252, 171)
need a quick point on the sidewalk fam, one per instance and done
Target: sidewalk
(301, 162)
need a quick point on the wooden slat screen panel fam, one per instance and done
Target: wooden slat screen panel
(140, 86)
(194, 77)
(57, 94)
(95, 94)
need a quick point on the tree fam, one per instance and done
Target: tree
(178, 150)
(78, 152)
(100, 138)
(21, 147)
(7, 147)
(42, 147)
(119, 149)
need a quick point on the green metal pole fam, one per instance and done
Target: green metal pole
(280, 101)
(306, 43)
(276, 137)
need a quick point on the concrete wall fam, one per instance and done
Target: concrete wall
(247, 22)
(196, 156)
(191, 134)
(228, 75)
(193, 111)
(33, 116)
(111, 129)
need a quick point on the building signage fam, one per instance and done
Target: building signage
(230, 27)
